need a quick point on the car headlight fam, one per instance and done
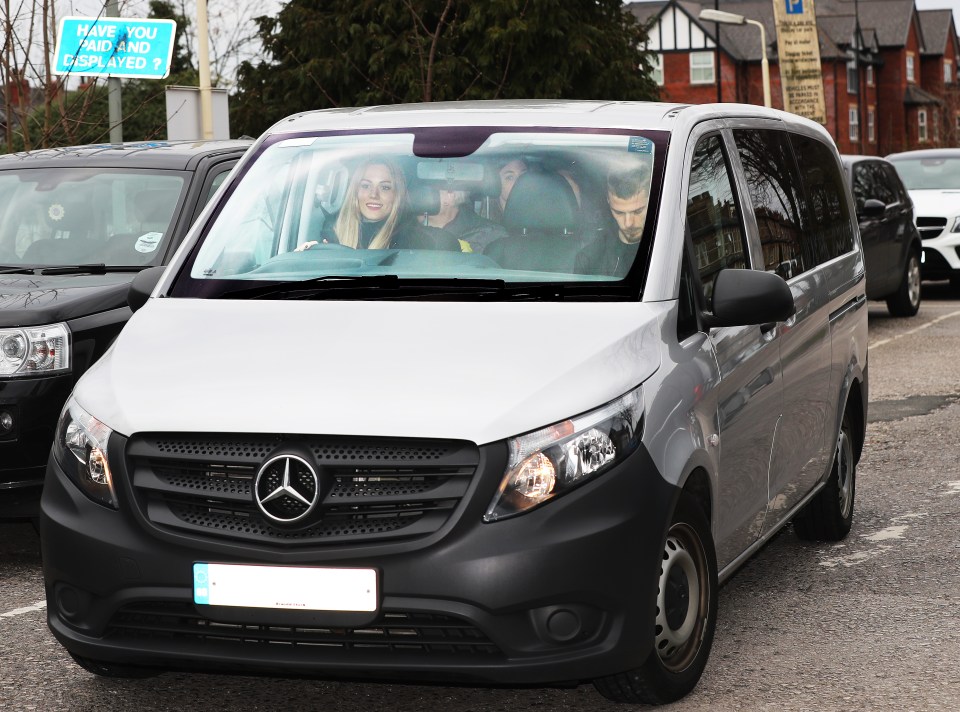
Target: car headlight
(34, 350)
(81, 451)
(551, 461)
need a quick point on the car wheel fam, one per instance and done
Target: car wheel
(685, 616)
(115, 670)
(906, 300)
(829, 515)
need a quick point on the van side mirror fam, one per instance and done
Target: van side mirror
(142, 286)
(748, 296)
(873, 208)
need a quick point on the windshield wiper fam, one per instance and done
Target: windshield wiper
(387, 287)
(17, 270)
(99, 268)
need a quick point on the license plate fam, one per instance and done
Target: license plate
(285, 587)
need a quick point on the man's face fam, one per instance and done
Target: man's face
(630, 214)
(508, 176)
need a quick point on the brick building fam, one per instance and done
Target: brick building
(891, 87)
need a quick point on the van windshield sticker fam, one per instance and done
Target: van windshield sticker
(148, 242)
(639, 144)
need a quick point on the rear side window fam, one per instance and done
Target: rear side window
(774, 188)
(870, 182)
(826, 200)
(713, 218)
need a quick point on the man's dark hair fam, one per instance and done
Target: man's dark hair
(626, 183)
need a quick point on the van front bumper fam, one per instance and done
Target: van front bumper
(562, 593)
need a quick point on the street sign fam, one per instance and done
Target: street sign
(115, 47)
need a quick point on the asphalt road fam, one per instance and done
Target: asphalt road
(871, 623)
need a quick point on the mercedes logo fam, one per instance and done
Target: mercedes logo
(287, 489)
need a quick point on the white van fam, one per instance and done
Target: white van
(489, 392)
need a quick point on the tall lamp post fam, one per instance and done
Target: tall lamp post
(729, 18)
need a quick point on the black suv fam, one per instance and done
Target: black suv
(891, 243)
(76, 225)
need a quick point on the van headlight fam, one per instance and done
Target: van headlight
(551, 461)
(81, 451)
(36, 350)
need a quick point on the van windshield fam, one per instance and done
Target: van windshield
(429, 206)
(82, 216)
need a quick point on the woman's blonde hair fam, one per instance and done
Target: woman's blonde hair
(347, 226)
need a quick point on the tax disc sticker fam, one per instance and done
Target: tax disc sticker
(148, 242)
(639, 144)
(56, 212)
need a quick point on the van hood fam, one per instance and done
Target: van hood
(935, 203)
(473, 371)
(32, 300)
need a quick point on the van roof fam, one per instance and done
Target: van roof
(171, 155)
(575, 114)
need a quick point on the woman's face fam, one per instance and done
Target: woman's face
(376, 192)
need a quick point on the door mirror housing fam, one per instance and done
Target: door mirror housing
(142, 286)
(746, 296)
(873, 208)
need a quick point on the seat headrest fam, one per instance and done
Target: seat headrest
(424, 200)
(155, 206)
(541, 201)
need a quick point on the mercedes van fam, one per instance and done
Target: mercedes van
(492, 392)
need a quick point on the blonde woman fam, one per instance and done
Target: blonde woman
(373, 218)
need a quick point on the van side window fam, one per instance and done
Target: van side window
(774, 188)
(713, 218)
(827, 207)
(871, 183)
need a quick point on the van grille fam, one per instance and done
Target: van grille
(392, 631)
(930, 228)
(374, 490)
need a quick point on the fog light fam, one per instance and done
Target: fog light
(6, 421)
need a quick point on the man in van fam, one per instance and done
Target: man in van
(617, 242)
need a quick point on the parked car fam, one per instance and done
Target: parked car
(891, 243)
(76, 224)
(333, 441)
(932, 177)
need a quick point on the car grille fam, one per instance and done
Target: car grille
(392, 631)
(378, 490)
(930, 228)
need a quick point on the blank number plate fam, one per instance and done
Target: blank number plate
(285, 587)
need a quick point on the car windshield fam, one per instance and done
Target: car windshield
(435, 205)
(83, 216)
(941, 173)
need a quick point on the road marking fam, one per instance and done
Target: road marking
(913, 331)
(953, 487)
(38, 606)
(896, 532)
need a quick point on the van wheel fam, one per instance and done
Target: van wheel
(115, 670)
(685, 618)
(829, 515)
(906, 300)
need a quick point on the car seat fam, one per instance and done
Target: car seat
(542, 219)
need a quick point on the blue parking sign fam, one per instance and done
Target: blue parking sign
(794, 7)
(115, 47)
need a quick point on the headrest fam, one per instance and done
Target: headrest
(155, 206)
(541, 201)
(424, 200)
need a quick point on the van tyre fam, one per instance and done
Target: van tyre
(114, 670)
(829, 515)
(906, 300)
(685, 616)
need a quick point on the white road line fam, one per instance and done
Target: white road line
(914, 331)
(38, 606)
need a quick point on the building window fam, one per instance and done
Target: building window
(922, 125)
(854, 114)
(947, 71)
(657, 73)
(853, 83)
(869, 75)
(911, 76)
(936, 125)
(701, 68)
(871, 124)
